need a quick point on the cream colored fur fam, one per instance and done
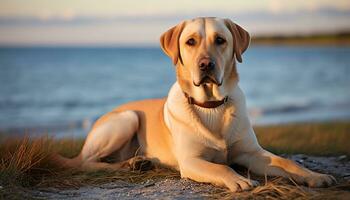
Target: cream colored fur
(199, 142)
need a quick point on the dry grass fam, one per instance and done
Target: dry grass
(279, 188)
(20, 157)
(329, 138)
(26, 163)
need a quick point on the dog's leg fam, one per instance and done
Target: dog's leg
(113, 131)
(203, 171)
(138, 163)
(265, 163)
(247, 152)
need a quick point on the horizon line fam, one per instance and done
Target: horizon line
(333, 33)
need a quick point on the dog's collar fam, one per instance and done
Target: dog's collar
(206, 104)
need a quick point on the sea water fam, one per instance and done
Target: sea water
(71, 87)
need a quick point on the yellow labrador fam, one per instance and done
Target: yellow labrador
(202, 127)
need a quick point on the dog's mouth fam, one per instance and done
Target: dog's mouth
(207, 80)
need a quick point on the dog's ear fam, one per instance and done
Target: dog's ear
(241, 39)
(169, 42)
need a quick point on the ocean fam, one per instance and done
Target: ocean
(61, 90)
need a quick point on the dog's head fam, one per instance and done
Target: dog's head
(204, 51)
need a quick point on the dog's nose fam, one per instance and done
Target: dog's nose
(206, 64)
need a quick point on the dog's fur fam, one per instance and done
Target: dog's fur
(199, 142)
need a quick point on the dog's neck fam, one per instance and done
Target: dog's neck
(211, 124)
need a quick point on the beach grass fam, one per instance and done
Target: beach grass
(339, 39)
(321, 139)
(26, 163)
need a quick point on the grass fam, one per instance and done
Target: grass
(328, 138)
(26, 163)
(341, 38)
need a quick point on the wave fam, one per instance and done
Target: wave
(268, 115)
(300, 113)
(8, 104)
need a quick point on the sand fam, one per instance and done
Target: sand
(175, 188)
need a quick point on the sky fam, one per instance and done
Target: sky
(141, 22)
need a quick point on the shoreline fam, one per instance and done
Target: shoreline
(297, 42)
(255, 41)
(320, 138)
(81, 129)
(341, 38)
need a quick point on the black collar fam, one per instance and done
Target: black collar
(206, 104)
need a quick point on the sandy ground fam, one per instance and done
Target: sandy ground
(175, 188)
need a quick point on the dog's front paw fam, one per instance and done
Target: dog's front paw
(140, 163)
(239, 184)
(319, 180)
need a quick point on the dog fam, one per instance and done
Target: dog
(202, 126)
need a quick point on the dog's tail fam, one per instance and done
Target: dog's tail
(67, 163)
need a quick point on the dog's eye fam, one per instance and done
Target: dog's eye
(219, 40)
(191, 42)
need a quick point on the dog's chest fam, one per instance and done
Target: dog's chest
(218, 121)
(219, 157)
(223, 124)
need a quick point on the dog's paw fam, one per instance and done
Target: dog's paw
(140, 163)
(239, 184)
(319, 180)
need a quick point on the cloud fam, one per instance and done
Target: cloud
(275, 6)
(66, 15)
(70, 28)
(69, 17)
(281, 6)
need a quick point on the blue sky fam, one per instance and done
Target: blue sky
(141, 22)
